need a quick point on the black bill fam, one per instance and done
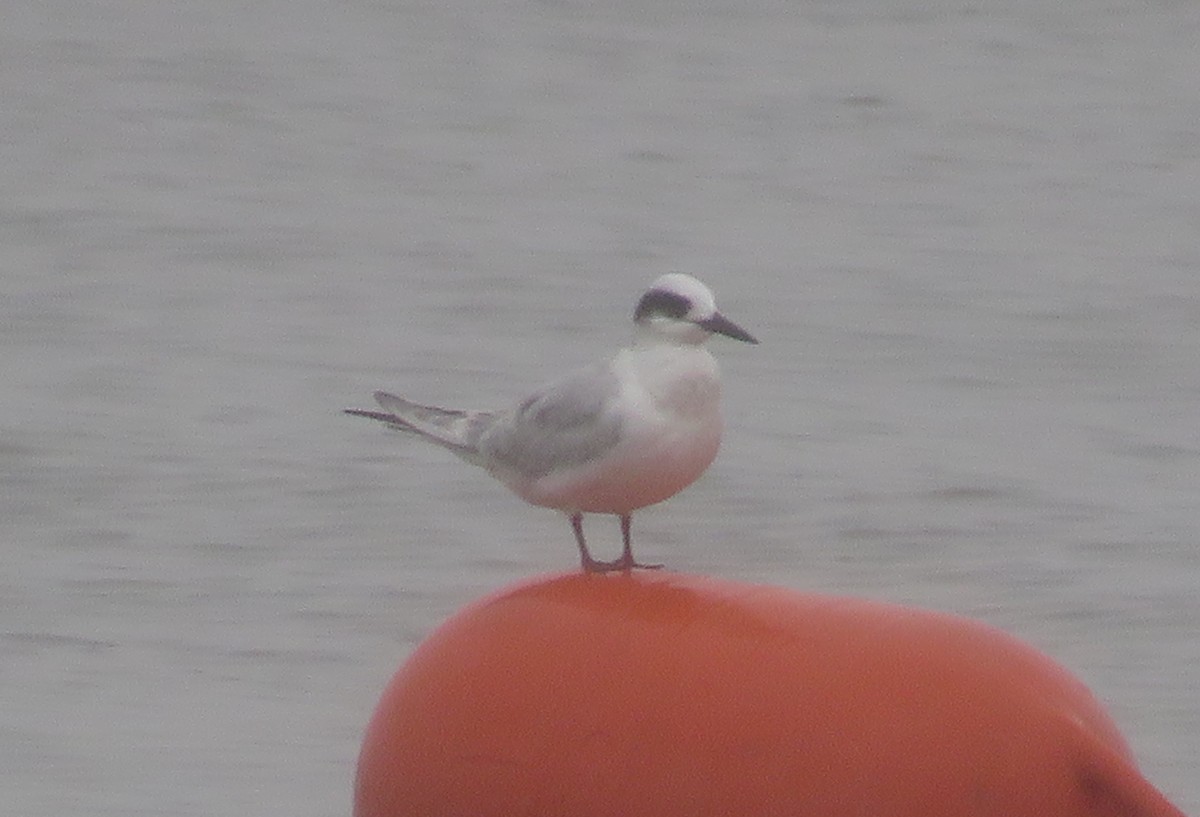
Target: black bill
(723, 326)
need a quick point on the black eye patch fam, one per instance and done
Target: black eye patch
(661, 302)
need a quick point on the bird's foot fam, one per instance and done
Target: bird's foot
(630, 565)
(591, 565)
(621, 565)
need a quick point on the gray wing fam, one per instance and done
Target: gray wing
(566, 423)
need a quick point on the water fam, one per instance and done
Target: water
(965, 233)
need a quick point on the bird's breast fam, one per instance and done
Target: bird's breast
(680, 383)
(689, 397)
(669, 418)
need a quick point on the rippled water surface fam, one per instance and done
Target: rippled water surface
(966, 234)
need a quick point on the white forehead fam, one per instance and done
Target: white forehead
(701, 297)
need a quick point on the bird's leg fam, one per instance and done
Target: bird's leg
(626, 561)
(589, 564)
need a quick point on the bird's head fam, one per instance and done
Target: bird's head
(681, 309)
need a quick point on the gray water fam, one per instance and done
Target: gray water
(966, 234)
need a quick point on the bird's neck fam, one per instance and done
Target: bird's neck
(685, 337)
(680, 377)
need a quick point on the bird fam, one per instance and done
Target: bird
(611, 438)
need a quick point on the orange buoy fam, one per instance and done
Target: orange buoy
(665, 695)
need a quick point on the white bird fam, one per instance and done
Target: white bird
(610, 438)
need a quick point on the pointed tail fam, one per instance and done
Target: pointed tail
(450, 428)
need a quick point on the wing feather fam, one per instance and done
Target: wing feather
(566, 423)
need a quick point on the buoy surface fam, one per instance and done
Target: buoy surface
(664, 694)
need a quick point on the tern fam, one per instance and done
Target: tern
(610, 438)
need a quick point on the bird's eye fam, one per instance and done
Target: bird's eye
(661, 302)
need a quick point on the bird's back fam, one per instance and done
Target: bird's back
(567, 422)
(613, 437)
